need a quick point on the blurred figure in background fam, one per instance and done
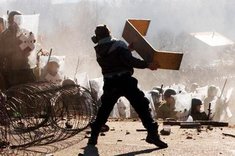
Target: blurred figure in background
(196, 112)
(167, 107)
(51, 72)
(16, 45)
(212, 97)
(194, 87)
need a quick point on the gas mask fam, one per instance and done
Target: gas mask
(101, 32)
(94, 39)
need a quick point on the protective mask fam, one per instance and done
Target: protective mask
(94, 39)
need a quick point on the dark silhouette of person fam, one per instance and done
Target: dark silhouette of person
(117, 63)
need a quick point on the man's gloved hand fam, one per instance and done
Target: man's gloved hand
(153, 66)
(131, 47)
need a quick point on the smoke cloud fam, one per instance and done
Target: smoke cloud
(66, 26)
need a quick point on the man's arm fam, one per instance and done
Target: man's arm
(129, 60)
(160, 112)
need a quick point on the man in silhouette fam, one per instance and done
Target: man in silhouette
(117, 63)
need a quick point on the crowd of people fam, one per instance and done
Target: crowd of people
(176, 102)
(16, 68)
(18, 63)
(121, 96)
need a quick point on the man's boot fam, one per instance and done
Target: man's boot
(154, 138)
(93, 139)
(94, 136)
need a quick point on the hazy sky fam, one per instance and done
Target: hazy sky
(68, 27)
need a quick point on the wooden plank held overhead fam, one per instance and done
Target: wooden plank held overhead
(134, 32)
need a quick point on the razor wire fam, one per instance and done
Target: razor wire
(43, 113)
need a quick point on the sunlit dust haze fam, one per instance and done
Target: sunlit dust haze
(66, 26)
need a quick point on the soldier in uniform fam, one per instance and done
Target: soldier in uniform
(196, 110)
(16, 45)
(117, 63)
(167, 107)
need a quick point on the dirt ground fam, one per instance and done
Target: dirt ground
(123, 139)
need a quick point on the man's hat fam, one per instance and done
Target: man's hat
(196, 102)
(102, 31)
(169, 92)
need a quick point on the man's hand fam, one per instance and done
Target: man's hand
(131, 47)
(153, 66)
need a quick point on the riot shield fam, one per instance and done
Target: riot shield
(27, 34)
(45, 63)
(183, 105)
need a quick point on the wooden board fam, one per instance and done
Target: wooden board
(168, 60)
(140, 25)
(134, 32)
(132, 35)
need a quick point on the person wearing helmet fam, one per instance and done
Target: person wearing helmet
(167, 107)
(15, 50)
(52, 72)
(117, 63)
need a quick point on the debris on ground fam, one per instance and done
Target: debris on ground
(189, 137)
(127, 133)
(210, 128)
(199, 129)
(165, 132)
(226, 134)
(141, 130)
